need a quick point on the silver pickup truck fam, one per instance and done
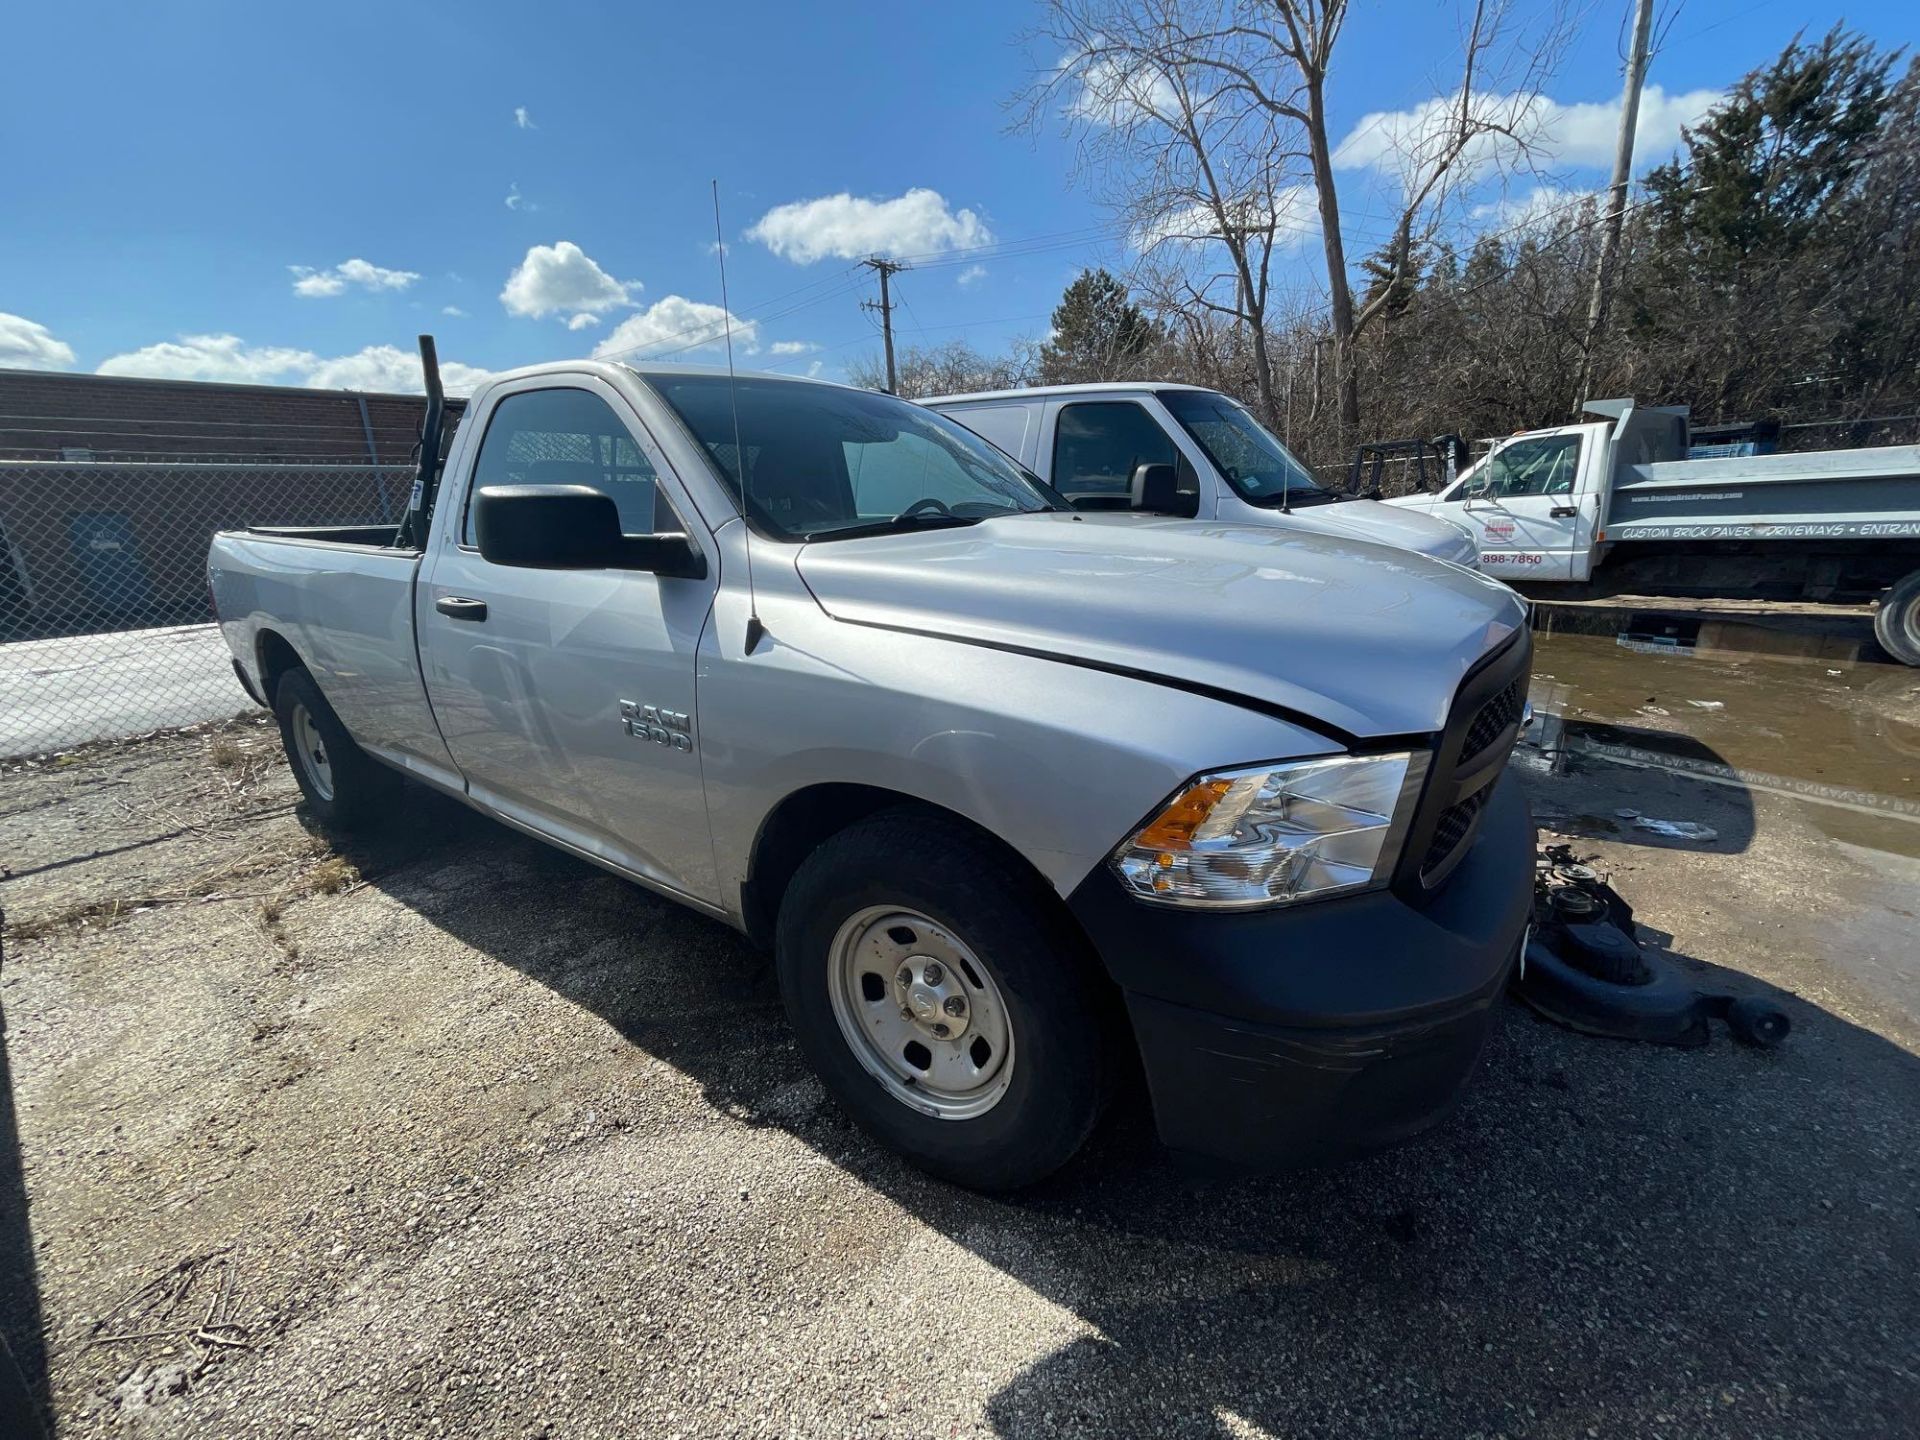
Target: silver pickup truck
(1021, 798)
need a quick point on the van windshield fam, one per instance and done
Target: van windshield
(1256, 464)
(825, 463)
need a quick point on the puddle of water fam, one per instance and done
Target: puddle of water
(1802, 716)
(1753, 713)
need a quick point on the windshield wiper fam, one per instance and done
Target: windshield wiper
(924, 520)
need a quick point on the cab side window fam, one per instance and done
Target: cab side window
(1543, 466)
(568, 437)
(1098, 444)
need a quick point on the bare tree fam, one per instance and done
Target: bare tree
(1225, 102)
(950, 369)
(1190, 177)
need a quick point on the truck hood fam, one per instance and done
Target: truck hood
(1363, 638)
(1389, 524)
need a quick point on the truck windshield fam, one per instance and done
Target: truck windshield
(825, 463)
(1242, 449)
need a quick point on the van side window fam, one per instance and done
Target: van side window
(1098, 444)
(1002, 426)
(1545, 465)
(567, 437)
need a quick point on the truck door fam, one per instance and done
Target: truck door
(1531, 507)
(567, 696)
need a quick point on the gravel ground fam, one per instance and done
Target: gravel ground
(446, 1133)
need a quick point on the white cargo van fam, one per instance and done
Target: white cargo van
(1183, 450)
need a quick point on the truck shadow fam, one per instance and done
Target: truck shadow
(1677, 773)
(23, 1352)
(1613, 1235)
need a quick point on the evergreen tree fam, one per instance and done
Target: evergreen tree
(1098, 333)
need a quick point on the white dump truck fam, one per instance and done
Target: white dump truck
(1613, 506)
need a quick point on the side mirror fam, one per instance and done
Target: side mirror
(572, 527)
(1156, 490)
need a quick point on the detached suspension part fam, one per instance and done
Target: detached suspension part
(1583, 968)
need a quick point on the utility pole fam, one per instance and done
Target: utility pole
(1616, 195)
(886, 270)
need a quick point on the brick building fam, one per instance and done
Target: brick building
(51, 416)
(111, 488)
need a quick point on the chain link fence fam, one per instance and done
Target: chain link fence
(105, 619)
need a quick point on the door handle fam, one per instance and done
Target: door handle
(458, 607)
(1563, 512)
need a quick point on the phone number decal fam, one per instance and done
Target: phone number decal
(1511, 557)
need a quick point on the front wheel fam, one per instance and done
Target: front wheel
(944, 1000)
(344, 786)
(1896, 624)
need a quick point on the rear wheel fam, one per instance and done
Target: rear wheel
(344, 786)
(1896, 624)
(944, 1000)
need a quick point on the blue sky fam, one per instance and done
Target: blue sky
(187, 183)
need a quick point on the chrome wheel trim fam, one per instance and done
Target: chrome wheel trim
(310, 749)
(897, 980)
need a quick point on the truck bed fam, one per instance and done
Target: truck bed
(341, 597)
(1829, 494)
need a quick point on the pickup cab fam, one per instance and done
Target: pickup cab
(1616, 505)
(1021, 798)
(1168, 449)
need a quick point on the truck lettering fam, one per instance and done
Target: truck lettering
(672, 728)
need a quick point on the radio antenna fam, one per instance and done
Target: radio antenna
(754, 628)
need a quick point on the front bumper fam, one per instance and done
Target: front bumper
(1287, 1037)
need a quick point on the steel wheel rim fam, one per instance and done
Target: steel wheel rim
(311, 750)
(897, 977)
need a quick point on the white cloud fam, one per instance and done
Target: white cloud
(582, 321)
(813, 370)
(522, 119)
(792, 347)
(212, 357)
(1579, 135)
(559, 277)
(454, 310)
(1541, 207)
(355, 273)
(389, 368)
(517, 201)
(973, 274)
(674, 324)
(28, 345)
(850, 227)
(229, 358)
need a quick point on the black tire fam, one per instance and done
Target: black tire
(1016, 928)
(1756, 1023)
(1896, 624)
(346, 789)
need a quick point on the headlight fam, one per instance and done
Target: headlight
(1272, 834)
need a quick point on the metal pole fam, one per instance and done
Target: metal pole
(1617, 193)
(886, 269)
